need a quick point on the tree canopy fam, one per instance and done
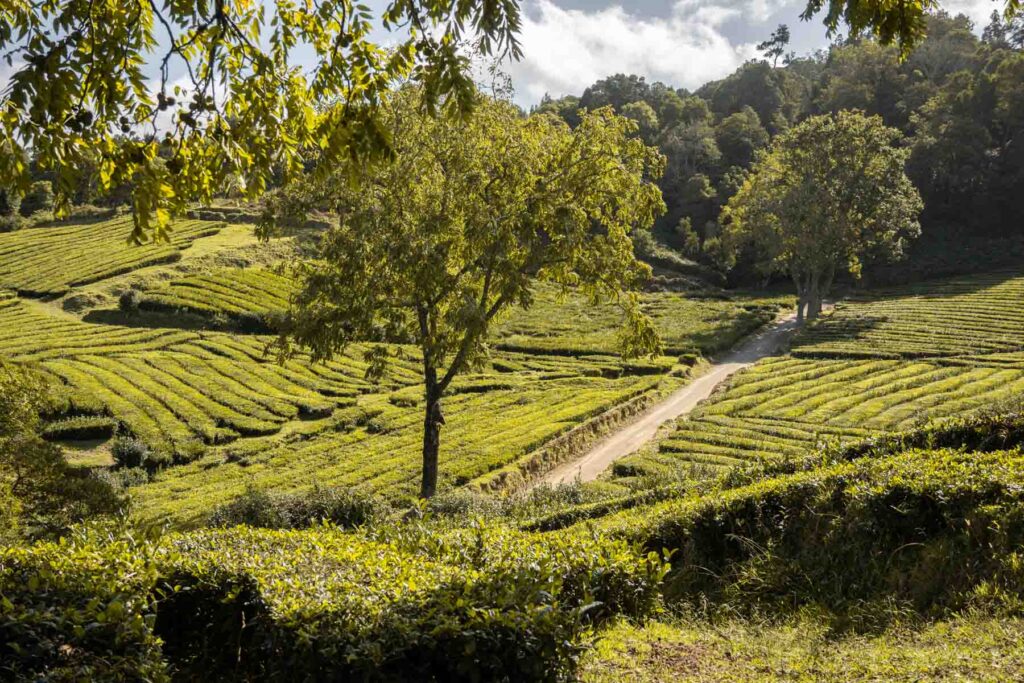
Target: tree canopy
(830, 192)
(247, 107)
(462, 225)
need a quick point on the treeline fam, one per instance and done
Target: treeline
(958, 99)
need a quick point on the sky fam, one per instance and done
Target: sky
(569, 44)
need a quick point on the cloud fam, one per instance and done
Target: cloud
(978, 11)
(566, 50)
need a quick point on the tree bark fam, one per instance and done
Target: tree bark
(433, 419)
(801, 299)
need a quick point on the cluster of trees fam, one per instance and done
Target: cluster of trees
(957, 99)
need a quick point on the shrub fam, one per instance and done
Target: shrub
(129, 301)
(11, 223)
(10, 202)
(38, 198)
(928, 528)
(486, 604)
(335, 505)
(128, 451)
(73, 611)
(81, 428)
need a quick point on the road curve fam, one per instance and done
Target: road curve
(630, 438)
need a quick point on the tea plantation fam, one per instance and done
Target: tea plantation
(857, 484)
(216, 412)
(878, 364)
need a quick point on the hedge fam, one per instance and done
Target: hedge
(934, 530)
(78, 612)
(254, 604)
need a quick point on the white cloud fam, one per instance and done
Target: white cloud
(567, 50)
(978, 11)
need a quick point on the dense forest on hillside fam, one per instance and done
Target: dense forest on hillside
(958, 99)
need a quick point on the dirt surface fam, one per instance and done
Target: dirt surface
(634, 435)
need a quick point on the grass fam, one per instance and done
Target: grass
(50, 261)
(970, 648)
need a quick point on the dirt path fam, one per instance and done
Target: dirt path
(636, 434)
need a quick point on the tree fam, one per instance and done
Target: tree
(831, 192)
(775, 46)
(739, 137)
(460, 228)
(245, 107)
(645, 117)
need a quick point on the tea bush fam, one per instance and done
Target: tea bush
(74, 611)
(322, 504)
(250, 604)
(934, 529)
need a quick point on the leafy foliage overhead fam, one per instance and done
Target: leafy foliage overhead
(246, 107)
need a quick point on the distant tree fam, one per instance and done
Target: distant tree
(567, 108)
(739, 137)
(645, 117)
(38, 198)
(616, 91)
(461, 227)
(864, 76)
(775, 46)
(830, 192)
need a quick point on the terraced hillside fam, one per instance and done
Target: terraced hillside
(879, 364)
(981, 315)
(49, 261)
(218, 413)
(246, 294)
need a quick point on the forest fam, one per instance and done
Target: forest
(351, 368)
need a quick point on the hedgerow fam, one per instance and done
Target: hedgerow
(245, 604)
(936, 530)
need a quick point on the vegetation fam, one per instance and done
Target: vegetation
(180, 502)
(40, 494)
(976, 319)
(828, 193)
(250, 297)
(537, 202)
(516, 606)
(51, 261)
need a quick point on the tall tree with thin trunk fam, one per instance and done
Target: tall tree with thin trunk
(462, 225)
(829, 193)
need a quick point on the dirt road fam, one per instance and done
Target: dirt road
(636, 434)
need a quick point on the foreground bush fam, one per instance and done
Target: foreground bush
(934, 530)
(483, 604)
(78, 612)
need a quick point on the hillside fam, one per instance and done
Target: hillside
(179, 370)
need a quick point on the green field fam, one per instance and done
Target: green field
(50, 261)
(225, 415)
(238, 293)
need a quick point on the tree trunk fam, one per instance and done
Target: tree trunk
(433, 420)
(814, 297)
(801, 299)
